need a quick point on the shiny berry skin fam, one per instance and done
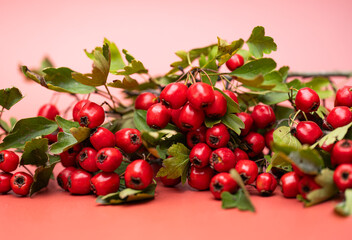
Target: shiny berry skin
(79, 182)
(232, 95)
(342, 152)
(145, 100)
(102, 138)
(5, 182)
(199, 178)
(269, 138)
(240, 154)
(86, 159)
(91, 115)
(191, 118)
(218, 108)
(138, 175)
(289, 183)
(174, 95)
(248, 170)
(297, 170)
(235, 62)
(218, 136)
(175, 115)
(307, 185)
(263, 116)
(266, 183)
(343, 176)
(78, 106)
(200, 155)
(52, 137)
(196, 136)
(200, 95)
(108, 159)
(307, 100)
(248, 122)
(48, 111)
(128, 139)
(339, 116)
(8, 161)
(222, 182)
(169, 182)
(68, 157)
(158, 116)
(344, 97)
(308, 132)
(327, 148)
(21, 183)
(104, 183)
(223, 159)
(64, 175)
(257, 143)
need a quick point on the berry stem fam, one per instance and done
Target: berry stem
(111, 97)
(30, 173)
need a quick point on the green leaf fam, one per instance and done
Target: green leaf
(41, 178)
(128, 56)
(272, 98)
(280, 160)
(233, 122)
(140, 122)
(117, 62)
(134, 67)
(9, 97)
(237, 200)
(209, 122)
(345, 208)
(127, 83)
(80, 134)
(25, 130)
(66, 125)
(258, 43)
(252, 69)
(64, 142)
(122, 168)
(282, 136)
(232, 106)
(13, 121)
(307, 160)
(335, 135)
(5, 126)
(318, 84)
(284, 72)
(35, 152)
(282, 112)
(226, 50)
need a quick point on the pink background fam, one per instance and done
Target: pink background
(311, 36)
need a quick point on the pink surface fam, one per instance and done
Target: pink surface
(311, 36)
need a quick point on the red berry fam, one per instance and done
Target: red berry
(79, 182)
(5, 182)
(235, 62)
(64, 175)
(169, 182)
(218, 108)
(307, 100)
(218, 136)
(266, 183)
(108, 159)
(297, 170)
(256, 141)
(158, 116)
(248, 122)
(199, 178)
(68, 157)
(223, 159)
(104, 183)
(339, 116)
(191, 118)
(263, 116)
(21, 183)
(308, 132)
(91, 115)
(196, 136)
(145, 100)
(240, 154)
(231, 95)
(269, 138)
(102, 138)
(342, 152)
(343, 176)
(200, 95)
(138, 175)
(307, 185)
(8, 161)
(128, 139)
(174, 95)
(344, 97)
(248, 170)
(48, 111)
(78, 106)
(200, 155)
(52, 137)
(86, 159)
(222, 182)
(289, 183)
(327, 148)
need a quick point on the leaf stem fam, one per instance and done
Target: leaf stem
(30, 173)
(111, 97)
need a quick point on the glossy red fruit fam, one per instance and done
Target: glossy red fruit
(200, 95)
(8, 161)
(222, 182)
(91, 115)
(79, 182)
(52, 137)
(200, 155)
(199, 178)
(5, 182)
(308, 132)
(169, 182)
(306, 185)
(108, 159)
(64, 175)
(266, 183)
(339, 116)
(235, 62)
(128, 139)
(138, 175)
(48, 111)
(68, 157)
(263, 116)
(145, 100)
(248, 122)
(307, 100)
(102, 138)
(344, 96)
(289, 183)
(327, 148)
(191, 118)
(104, 183)
(343, 176)
(218, 136)
(223, 159)
(78, 106)
(248, 170)
(86, 159)
(342, 152)
(269, 138)
(175, 115)
(21, 183)
(297, 170)
(218, 108)
(256, 141)
(174, 95)
(158, 116)
(196, 136)
(240, 154)
(232, 95)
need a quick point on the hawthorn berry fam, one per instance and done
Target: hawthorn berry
(104, 183)
(68, 157)
(174, 95)
(200, 95)
(327, 148)
(307, 100)
(21, 183)
(108, 159)
(218, 136)
(308, 132)
(289, 183)
(78, 106)
(256, 142)
(222, 159)
(8, 161)
(102, 138)
(91, 115)
(48, 111)
(240, 154)
(200, 155)
(344, 97)
(343, 176)
(196, 136)
(128, 139)
(235, 62)
(218, 108)
(248, 170)
(307, 185)
(342, 152)
(86, 159)
(158, 116)
(191, 118)
(222, 182)
(248, 122)
(266, 183)
(175, 116)
(170, 182)
(52, 137)
(297, 170)
(232, 95)
(263, 116)
(64, 175)
(79, 182)
(339, 117)
(138, 175)
(145, 100)
(5, 182)
(199, 178)
(269, 138)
